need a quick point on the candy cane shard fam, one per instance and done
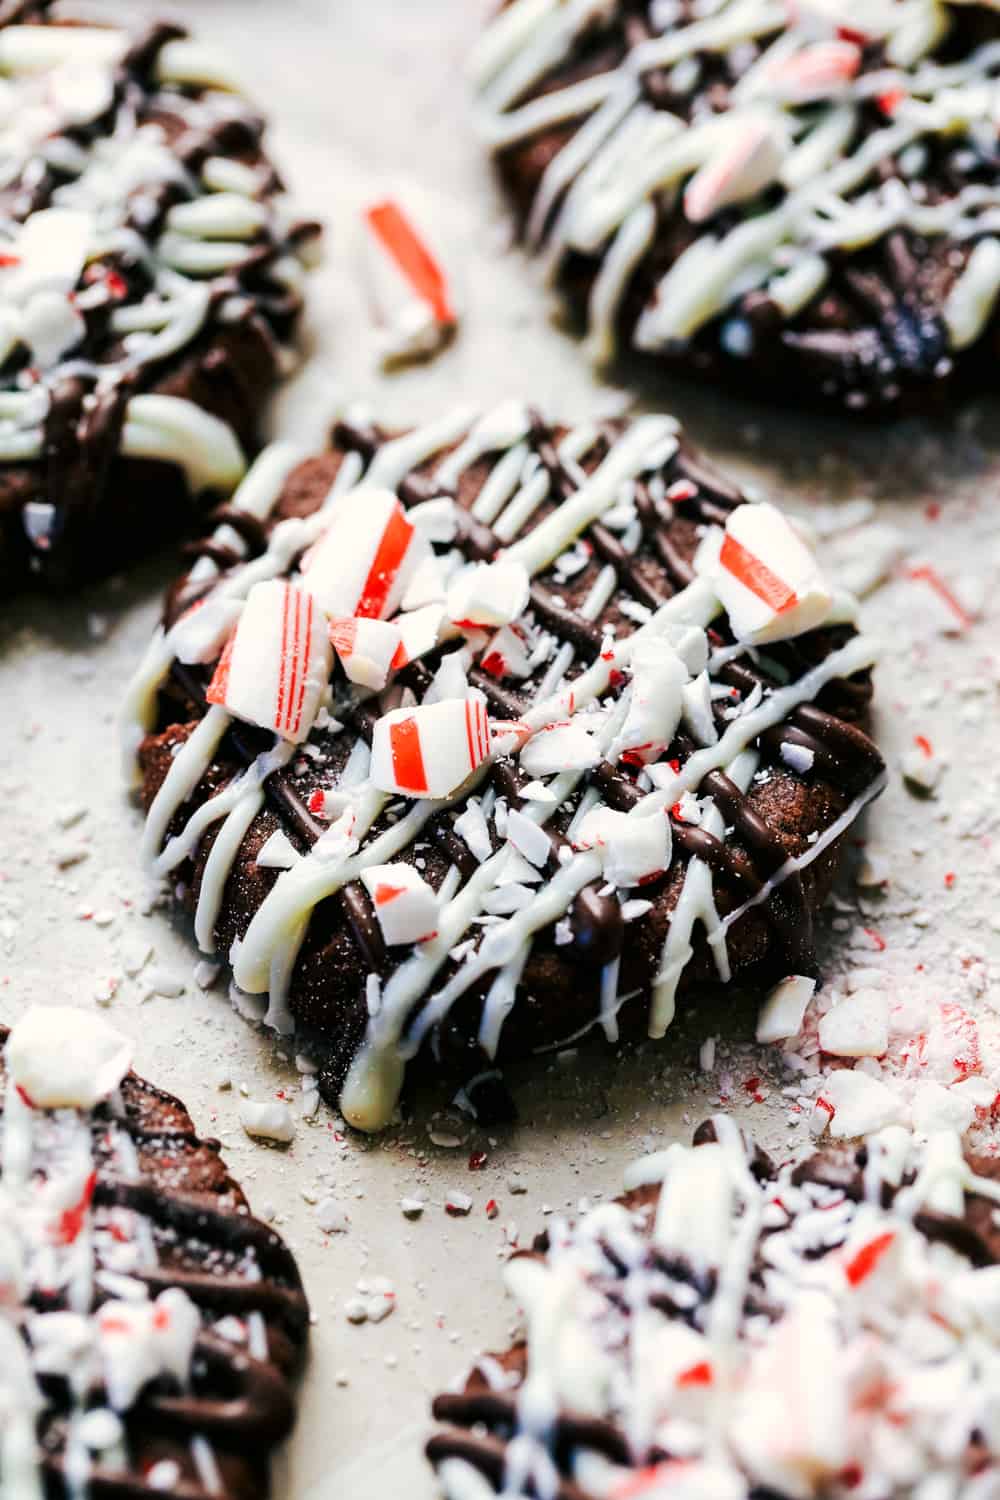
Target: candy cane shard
(747, 163)
(819, 70)
(419, 632)
(276, 664)
(766, 578)
(86, 1066)
(430, 751)
(405, 905)
(411, 289)
(633, 849)
(366, 649)
(48, 254)
(655, 704)
(489, 594)
(363, 562)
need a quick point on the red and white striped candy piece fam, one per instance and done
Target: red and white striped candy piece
(431, 750)
(276, 664)
(820, 70)
(411, 289)
(362, 563)
(366, 649)
(633, 849)
(488, 594)
(405, 905)
(767, 578)
(747, 163)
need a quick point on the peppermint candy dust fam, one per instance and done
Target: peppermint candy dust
(727, 1331)
(149, 278)
(473, 740)
(803, 197)
(149, 1327)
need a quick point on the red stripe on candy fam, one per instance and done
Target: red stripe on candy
(306, 658)
(407, 756)
(863, 1264)
(470, 735)
(699, 1374)
(400, 240)
(756, 576)
(219, 684)
(384, 893)
(279, 712)
(388, 558)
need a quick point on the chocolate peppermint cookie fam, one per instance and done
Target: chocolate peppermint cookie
(149, 290)
(149, 1327)
(727, 1331)
(802, 199)
(466, 742)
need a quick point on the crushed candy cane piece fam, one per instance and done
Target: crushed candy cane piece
(411, 289)
(364, 560)
(921, 768)
(767, 579)
(820, 70)
(858, 1026)
(655, 702)
(633, 849)
(784, 1007)
(563, 747)
(276, 664)
(366, 649)
(59, 1057)
(405, 905)
(430, 751)
(860, 1104)
(488, 594)
(748, 161)
(270, 1120)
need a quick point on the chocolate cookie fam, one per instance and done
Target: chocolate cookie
(466, 742)
(149, 280)
(726, 1331)
(800, 199)
(149, 1327)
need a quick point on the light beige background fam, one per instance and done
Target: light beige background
(365, 94)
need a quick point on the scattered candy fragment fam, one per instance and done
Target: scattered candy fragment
(411, 289)
(268, 1121)
(784, 1007)
(59, 1057)
(858, 1026)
